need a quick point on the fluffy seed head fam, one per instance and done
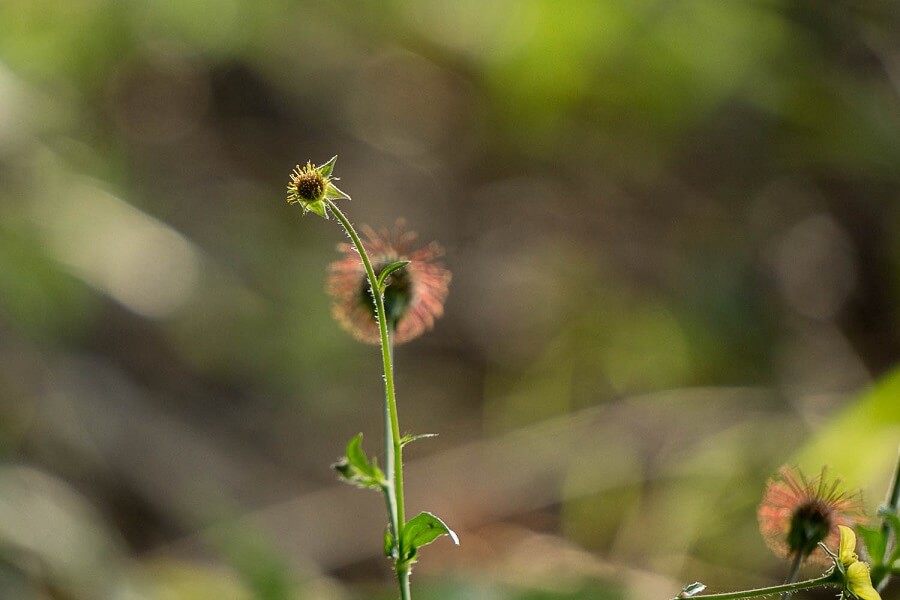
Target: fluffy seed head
(307, 184)
(796, 513)
(414, 296)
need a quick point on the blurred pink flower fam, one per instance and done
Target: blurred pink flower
(415, 294)
(797, 513)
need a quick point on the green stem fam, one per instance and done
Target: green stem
(403, 580)
(393, 448)
(776, 589)
(391, 412)
(892, 544)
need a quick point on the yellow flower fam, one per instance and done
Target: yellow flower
(858, 581)
(847, 553)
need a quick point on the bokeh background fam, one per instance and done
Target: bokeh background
(673, 230)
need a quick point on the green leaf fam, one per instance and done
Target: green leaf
(875, 541)
(411, 438)
(389, 550)
(356, 468)
(891, 518)
(385, 272)
(420, 531)
(355, 454)
(326, 169)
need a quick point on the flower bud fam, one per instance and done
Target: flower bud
(311, 187)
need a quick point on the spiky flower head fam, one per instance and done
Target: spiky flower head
(311, 186)
(797, 513)
(414, 296)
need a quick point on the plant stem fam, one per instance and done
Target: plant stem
(792, 574)
(776, 589)
(892, 546)
(391, 412)
(393, 448)
(403, 580)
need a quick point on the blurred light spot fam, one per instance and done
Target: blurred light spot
(48, 528)
(405, 105)
(12, 105)
(646, 348)
(212, 25)
(815, 267)
(135, 259)
(480, 29)
(160, 96)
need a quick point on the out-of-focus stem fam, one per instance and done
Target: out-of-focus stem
(766, 591)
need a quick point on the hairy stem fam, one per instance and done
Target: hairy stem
(403, 580)
(393, 447)
(766, 591)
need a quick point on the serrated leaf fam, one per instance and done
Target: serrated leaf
(411, 438)
(875, 541)
(356, 468)
(354, 476)
(386, 272)
(420, 531)
(355, 454)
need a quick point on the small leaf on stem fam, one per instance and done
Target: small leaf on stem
(875, 541)
(891, 518)
(420, 531)
(389, 548)
(356, 468)
(386, 272)
(411, 438)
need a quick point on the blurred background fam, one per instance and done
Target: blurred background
(673, 231)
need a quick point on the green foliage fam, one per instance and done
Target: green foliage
(420, 531)
(386, 272)
(868, 425)
(875, 541)
(357, 469)
(652, 154)
(891, 519)
(406, 439)
(390, 548)
(879, 539)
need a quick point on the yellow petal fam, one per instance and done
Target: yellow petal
(860, 583)
(847, 553)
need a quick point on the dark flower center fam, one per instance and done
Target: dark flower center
(396, 294)
(310, 185)
(810, 525)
